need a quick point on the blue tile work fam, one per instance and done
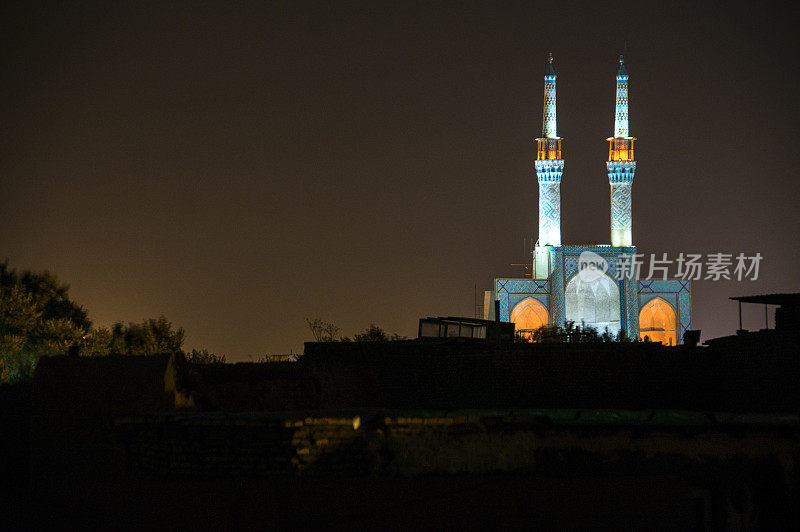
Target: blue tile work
(621, 111)
(633, 292)
(514, 300)
(669, 290)
(621, 173)
(672, 299)
(631, 316)
(565, 259)
(549, 115)
(512, 291)
(568, 256)
(558, 314)
(620, 203)
(549, 209)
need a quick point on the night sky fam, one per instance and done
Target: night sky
(241, 168)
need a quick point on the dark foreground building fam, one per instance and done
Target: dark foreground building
(424, 433)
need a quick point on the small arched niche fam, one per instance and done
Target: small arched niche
(529, 315)
(657, 321)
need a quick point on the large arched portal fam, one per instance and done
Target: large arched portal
(594, 302)
(528, 315)
(657, 321)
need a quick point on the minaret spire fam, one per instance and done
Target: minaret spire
(549, 114)
(549, 167)
(621, 115)
(621, 165)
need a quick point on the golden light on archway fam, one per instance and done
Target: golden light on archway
(528, 315)
(657, 321)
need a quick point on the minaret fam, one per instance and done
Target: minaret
(549, 167)
(621, 165)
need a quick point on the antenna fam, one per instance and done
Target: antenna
(479, 310)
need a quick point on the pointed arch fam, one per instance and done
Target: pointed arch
(657, 321)
(594, 302)
(528, 315)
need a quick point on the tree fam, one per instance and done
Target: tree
(622, 337)
(37, 318)
(373, 333)
(49, 295)
(572, 333)
(26, 334)
(323, 331)
(203, 356)
(98, 342)
(151, 337)
(328, 332)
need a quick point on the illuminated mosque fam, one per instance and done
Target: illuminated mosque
(579, 283)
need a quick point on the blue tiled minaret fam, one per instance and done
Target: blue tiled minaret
(549, 167)
(602, 299)
(621, 166)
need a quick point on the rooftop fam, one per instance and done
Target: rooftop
(789, 300)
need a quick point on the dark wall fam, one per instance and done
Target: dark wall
(74, 404)
(420, 469)
(79, 464)
(15, 410)
(248, 386)
(735, 377)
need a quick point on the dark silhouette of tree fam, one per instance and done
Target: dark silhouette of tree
(203, 356)
(151, 337)
(328, 332)
(50, 295)
(373, 333)
(572, 333)
(37, 318)
(323, 331)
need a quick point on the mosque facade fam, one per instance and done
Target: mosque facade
(595, 285)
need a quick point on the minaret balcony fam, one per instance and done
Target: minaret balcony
(549, 149)
(620, 149)
(549, 171)
(620, 171)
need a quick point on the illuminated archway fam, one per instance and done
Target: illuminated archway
(594, 302)
(657, 321)
(528, 315)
